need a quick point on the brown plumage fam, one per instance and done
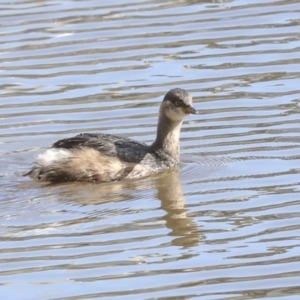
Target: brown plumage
(105, 157)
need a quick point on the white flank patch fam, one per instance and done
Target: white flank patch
(51, 156)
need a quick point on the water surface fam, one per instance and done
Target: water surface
(223, 226)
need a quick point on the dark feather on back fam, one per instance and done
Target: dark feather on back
(110, 145)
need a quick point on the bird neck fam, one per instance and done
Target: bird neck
(167, 138)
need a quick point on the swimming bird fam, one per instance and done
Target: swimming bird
(98, 157)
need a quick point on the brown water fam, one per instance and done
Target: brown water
(227, 225)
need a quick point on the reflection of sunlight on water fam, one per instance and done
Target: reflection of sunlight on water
(65, 34)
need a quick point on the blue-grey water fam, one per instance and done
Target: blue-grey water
(226, 225)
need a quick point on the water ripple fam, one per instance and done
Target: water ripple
(222, 226)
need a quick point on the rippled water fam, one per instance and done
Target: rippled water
(224, 226)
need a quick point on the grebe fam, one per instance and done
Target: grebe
(105, 157)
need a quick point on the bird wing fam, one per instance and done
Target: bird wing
(110, 145)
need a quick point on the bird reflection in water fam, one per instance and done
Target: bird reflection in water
(167, 188)
(170, 192)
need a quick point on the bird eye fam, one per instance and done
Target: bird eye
(177, 103)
